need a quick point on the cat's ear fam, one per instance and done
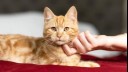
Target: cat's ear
(72, 13)
(48, 14)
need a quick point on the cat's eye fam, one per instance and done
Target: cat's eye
(53, 28)
(66, 28)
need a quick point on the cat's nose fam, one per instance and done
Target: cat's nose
(59, 36)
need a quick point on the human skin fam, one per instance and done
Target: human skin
(86, 42)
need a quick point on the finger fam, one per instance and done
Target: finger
(80, 48)
(68, 50)
(90, 38)
(84, 42)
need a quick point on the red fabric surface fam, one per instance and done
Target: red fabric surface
(115, 64)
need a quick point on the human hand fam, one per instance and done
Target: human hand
(86, 42)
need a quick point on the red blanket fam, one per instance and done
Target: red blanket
(115, 64)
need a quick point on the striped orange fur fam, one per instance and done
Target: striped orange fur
(58, 30)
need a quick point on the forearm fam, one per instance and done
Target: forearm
(118, 43)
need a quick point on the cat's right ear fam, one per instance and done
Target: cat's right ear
(48, 14)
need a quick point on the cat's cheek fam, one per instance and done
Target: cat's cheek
(53, 38)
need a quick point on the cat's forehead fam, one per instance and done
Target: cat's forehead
(60, 19)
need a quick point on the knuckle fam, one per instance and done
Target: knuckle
(69, 53)
(83, 51)
(89, 48)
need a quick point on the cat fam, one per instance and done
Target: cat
(58, 30)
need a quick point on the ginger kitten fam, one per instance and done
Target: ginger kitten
(58, 30)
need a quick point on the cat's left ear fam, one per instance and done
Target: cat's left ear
(72, 13)
(48, 14)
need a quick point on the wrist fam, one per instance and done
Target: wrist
(104, 42)
(111, 41)
(108, 42)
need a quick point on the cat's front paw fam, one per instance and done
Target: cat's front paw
(88, 64)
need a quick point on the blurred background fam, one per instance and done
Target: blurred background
(107, 17)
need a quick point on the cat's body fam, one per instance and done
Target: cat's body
(58, 30)
(23, 49)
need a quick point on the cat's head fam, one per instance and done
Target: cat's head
(60, 29)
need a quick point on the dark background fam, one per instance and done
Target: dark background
(106, 15)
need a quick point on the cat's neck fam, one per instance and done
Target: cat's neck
(52, 49)
(48, 46)
(53, 46)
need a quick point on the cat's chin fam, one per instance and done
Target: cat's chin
(60, 42)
